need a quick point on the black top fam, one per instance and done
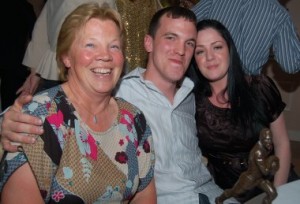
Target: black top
(224, 142)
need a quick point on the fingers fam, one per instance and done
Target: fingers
(20, 101)
(34, 83)
(16, 123)
(25, 86)
(6, 145)
(14, 129)
(20, 90)
(30, 85)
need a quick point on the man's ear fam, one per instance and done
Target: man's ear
(148, 43)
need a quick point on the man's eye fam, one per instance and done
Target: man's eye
(191, 44)
(170, 37)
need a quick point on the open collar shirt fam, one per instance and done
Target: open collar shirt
(179, 172)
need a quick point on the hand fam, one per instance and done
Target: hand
(16, 123)
(30, 84)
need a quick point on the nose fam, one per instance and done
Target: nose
(209, 55)
(104, 55)
(180, 49)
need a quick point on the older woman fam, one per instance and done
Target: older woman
(96, 148)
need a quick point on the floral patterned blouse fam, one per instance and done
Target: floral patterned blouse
(74, 164)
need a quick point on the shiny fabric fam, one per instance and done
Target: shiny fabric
(136, 16)
(223, 142)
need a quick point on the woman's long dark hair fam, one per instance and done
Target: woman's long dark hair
(240, 97)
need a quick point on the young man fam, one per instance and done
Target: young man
(165, 96)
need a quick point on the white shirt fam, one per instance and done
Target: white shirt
(179, 172)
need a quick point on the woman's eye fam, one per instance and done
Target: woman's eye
(115, 47)
(90, 45)
(218, 47)
(199, 52)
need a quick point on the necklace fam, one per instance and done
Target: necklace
(95, 120)
(82, 106)
(94, 116)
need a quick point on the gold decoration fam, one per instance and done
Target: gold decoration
(136, 15)
(183, 3)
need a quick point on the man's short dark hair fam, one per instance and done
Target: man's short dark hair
(172, 12)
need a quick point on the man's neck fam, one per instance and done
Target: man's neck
(166, 87)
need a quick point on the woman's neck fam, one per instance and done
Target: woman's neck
(96, 111)
(219, 94)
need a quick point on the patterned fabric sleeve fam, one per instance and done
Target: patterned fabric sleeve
(15, 160)
(145, 151)
(266, 90)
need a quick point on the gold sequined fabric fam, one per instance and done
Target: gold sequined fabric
(188, 3)
(136, 15)
(183, 3)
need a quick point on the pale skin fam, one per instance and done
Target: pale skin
(170, 52)
(212, 58)
(94, 63)
(30, 85)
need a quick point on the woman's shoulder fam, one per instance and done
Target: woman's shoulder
(262, 82)
(266, 93)
(41, 102)
(131, 112)
(49, 94)
(125, 105)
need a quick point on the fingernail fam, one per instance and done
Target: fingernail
(20, 148)
(32, 140)
(40, 122)
(41, 130)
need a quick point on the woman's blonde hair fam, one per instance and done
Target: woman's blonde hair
(75, 21)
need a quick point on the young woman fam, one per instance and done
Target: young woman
(233, 108)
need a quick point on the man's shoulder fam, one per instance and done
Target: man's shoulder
(132, 78)
(135, 73)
